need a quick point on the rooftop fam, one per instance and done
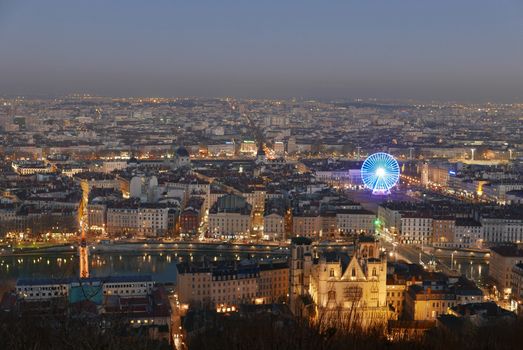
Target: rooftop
(508, 250)
(69, 280)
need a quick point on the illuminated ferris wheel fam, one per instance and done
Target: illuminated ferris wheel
(380, 172)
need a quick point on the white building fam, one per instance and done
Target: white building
(416, 228)
(227, 149)
(109, 166)
(355, 221)
(144, 188)
(307, 224)
(153, 220)
(502, 260)
(146, 220)
(31, 167)
(390, 219)
(47, 289)
(501, 227)
(248, 147)
(279, 148)
(128, 285)
(42, 289)
(468, 233)
(96, 216)
(230, 216)
(273, 226)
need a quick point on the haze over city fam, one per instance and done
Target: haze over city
(469, 51)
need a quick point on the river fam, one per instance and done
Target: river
(161, 265)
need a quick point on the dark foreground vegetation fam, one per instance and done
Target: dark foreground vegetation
(253, 333)
(42, 333)
(264, 334)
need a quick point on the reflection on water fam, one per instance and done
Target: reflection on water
(161, 265)
(474, 269)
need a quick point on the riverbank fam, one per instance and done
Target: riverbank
(159, 246)
(481, 254)
(127, 247)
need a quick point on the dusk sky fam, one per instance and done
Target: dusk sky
(459, 50)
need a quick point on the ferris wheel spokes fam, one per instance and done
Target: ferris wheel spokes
(380, 172)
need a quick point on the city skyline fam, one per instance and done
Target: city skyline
(221, 175)
(149, 211)
(467, 52)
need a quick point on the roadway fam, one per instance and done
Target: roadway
(176, 323)
(414, 254)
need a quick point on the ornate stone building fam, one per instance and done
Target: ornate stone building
(342, 289)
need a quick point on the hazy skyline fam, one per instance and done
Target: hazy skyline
(439, 50)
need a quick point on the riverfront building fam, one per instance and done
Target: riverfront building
(232, 283)
(502, 260)
(133, 300)
(341, 287)
(230, 216)
(49, 288)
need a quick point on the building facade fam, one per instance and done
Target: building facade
(502, 260)
(356, 221)
(342, 288)
(230, 216)
(232, 283)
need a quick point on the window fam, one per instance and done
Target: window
(353, 293)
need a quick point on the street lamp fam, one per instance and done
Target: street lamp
(452, 259)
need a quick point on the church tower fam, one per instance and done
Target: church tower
(300, 269)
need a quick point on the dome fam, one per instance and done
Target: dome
(182, 152)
